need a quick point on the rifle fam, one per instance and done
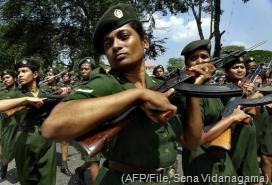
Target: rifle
(42, 83)
(224, 139)
(94, 141)
(50, 101)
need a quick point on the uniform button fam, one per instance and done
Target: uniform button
(164, 135)
(166, 150)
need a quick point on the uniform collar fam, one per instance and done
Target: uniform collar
(150, 82)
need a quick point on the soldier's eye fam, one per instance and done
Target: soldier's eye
(107, 44)
(124, 35)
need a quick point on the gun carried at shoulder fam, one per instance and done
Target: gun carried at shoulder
(50, 101)
(95, 140)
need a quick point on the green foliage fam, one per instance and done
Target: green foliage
(261, 56)
(175, 63)
(232, 48)
(50, 29)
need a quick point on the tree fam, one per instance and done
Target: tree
(230, 48)
(261, 56)
(212, 8)
(50, 29)
(175, 63)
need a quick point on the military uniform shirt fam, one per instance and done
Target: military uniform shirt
(141, 144)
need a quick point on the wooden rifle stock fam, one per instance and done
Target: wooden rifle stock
(93, 142)
(223, 140)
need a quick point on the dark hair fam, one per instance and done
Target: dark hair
(156, 68)
(138, 27)
(66, 73)
(229, 65)
(200, 48)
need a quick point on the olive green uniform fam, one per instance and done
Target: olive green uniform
(264, 131)
(208, 160)
(142, 144)
(86, 158)
(244, 149)
(35, 157)
(9, 129)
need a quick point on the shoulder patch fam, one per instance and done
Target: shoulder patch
(84, 90)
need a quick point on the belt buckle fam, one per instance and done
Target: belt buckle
(169, 172)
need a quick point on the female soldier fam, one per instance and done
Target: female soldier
(208, 159)
(244, 146)
(158, 72)
(148, 145)
(8, 126)
(34, 156)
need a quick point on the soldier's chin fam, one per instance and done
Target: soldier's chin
(22, 83)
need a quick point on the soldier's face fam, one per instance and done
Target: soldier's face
(236, 72)
(124, 47)
(50, 77)
(26, 76)
(251, 67)
(159, 72)
(198, 57)
(66, 78)
(85, 70)
(8, 81)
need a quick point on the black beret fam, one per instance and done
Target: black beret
(156, 68)
(194, 45)
(232, 60)
(87, 60)
(115, 17)
(8, 72)
(28, 62)
(248, 58)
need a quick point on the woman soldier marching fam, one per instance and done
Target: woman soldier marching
(148, 145)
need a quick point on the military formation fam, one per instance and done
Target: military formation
(126, 127)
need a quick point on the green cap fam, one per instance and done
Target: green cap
(9, 72)
(194, 45)
(87, 60)
(115, 17)
(28, 62)
(248, 58)
(232, 60)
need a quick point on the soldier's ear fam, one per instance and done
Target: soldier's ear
(36, 74)
(146, 43)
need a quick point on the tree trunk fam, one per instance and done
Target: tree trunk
(217, 34)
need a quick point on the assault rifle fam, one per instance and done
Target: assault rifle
(94, 141)
(224, 140)
(50, 102)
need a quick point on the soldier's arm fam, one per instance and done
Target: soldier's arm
(76, 117)
(192, 133)
(15, 102)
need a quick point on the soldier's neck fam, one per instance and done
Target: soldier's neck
(33, 88)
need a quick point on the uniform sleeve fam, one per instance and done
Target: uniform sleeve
(100, 85)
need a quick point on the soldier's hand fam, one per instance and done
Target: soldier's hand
(248, 87)
(157, 106)
(65, 90)
(238, 115)
(203, 72)
(37, 102)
